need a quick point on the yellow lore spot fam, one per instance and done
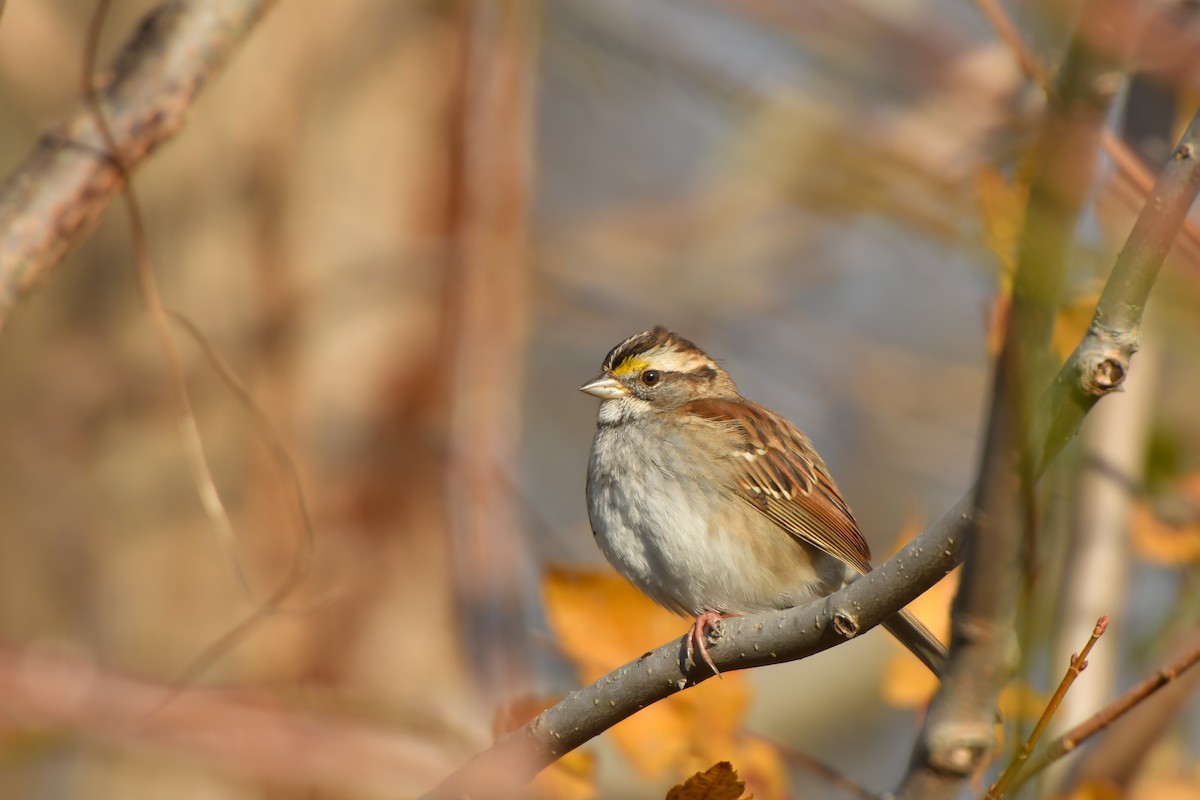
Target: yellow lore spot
(630, 365)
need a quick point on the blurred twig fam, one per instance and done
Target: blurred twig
(1127, 163)
(251, 733)
(52, 200)
(798, 758)
(486, 317)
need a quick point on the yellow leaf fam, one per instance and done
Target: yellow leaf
(718, 782)
(601, 622)
(1071, 323)
(762, 768)
(1096, 790)
(1161, 542)
(1020, 700)
(1002, 207)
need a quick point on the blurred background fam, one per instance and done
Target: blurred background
(414, 228)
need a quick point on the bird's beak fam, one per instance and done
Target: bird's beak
(605, 387)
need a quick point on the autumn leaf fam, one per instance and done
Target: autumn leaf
(601, 622)
(1164, 542)
(1019, 700)
(718, 782)
(1002, 209)
(1096, 791)
(1071, 323)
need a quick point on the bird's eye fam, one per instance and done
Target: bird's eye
(651, 377)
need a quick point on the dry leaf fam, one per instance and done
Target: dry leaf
(1071, 323)
(1002, 209)
(1019, 700)
(718, 782)
(1161, 542)
(1096, 791)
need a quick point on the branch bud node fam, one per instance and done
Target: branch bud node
(846, 624)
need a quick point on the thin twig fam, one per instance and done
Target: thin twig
(1107, 715)
(189, 431)
(1078, 665)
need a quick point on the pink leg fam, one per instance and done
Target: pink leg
(697, 638)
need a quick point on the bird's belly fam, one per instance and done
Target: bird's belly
(694, 550)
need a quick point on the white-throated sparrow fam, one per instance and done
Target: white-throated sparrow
(712, 505)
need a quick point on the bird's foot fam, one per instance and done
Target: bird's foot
(697, 638)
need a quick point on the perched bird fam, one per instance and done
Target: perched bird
(711, 504)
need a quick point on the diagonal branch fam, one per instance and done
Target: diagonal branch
(751, 641)
(1101, 361)
(58, 193)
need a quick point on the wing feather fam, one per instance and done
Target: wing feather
(781, 475)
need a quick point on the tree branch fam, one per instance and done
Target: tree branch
(1101, 361)
(51, 201)
(745, 642)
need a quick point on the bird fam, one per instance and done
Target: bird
(712, 505)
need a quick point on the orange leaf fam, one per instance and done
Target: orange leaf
(1002, 207)
(1161, 542)
(1071, 323)
(718, 782)
(1020, 700)
(601, 622)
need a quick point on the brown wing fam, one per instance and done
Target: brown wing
(782, 476)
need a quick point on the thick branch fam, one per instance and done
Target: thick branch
(63, 186)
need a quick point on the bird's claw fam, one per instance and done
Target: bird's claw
(697, 638)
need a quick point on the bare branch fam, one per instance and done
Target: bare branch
(63, 186)
(1101, 361)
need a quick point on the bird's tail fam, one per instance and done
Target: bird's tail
(918, 639)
